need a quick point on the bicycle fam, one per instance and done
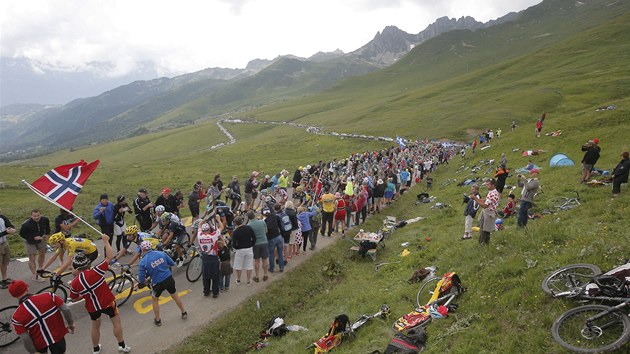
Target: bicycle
(7, 334)
(564, 203)
(194, 267)
(570, 280)
(58, 286)
(594, 328)
(124, 284)
(434, 292)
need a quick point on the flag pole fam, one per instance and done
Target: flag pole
(43, 196)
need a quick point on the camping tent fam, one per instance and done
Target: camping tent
(560, 160)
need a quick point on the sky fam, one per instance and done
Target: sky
(189, 35)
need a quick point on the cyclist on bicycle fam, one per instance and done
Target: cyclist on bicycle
(226, 214)
(71, 245)
(132, 234)
(174, 232)
(159, 211)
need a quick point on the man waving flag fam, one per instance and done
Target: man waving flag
(62, 184)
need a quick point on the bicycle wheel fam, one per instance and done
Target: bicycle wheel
(109, 275)
(426, 291)
(121, 287)
(605, 334)
(193, 269)
(569, 277)
(7, 334)
(60, 291)
(556, 203)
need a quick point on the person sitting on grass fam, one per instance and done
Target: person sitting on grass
(509, 208)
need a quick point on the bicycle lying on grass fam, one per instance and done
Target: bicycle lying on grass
(341, 328)
(434, 293)
(591, 328)
(564, 203)
(7, 334)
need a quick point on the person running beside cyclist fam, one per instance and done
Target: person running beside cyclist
(174, 233)
(90, 284)
(156, 265)
(71, 245)
(39, 320)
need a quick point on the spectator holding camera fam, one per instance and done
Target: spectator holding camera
(530, 188)
(591, 155)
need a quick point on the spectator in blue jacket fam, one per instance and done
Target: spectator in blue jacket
(304, 215)
(157, 265)
(104, 214)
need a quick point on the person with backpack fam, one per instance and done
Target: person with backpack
(275, 221)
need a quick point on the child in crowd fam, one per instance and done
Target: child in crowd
(225, 269)
(509, 208)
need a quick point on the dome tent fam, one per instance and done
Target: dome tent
(560, 160)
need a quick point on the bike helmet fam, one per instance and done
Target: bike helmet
(146, 245)
(56, 238)
(499, 221)
(159, 209)
(206, 227)
(264, 191)
(166, 217)
(131, 230)
(438, 311)
(80, 261)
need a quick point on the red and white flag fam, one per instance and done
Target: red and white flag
(62, 184)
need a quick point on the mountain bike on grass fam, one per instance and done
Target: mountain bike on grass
(7, 334)
(434, 299)
(564, 203)
(586, 282)
(594, 328)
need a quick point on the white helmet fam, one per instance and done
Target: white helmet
(159, 209)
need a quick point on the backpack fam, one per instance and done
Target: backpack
(410, 343)
(285, 221)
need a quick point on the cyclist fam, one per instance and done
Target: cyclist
(71, 245)
(226, 214)
(174, 233)
(132, 234)
(157, 221)
(90, 284)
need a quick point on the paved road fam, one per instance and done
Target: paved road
(137, 314)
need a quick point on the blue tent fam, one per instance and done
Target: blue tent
(560, 160)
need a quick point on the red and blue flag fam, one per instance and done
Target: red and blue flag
(62, 184)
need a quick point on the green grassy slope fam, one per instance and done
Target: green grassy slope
(512, 73)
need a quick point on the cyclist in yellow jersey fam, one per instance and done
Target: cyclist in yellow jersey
(71, 245)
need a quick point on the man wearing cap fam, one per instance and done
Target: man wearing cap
(38, 320)
(104, 214)
(167, 200)
(142, 208)
(591, 155)
(530, 188)
(90, 285)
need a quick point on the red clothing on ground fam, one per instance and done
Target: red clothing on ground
(39, 315)
(91, 285)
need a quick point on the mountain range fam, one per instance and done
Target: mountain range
(447, 48)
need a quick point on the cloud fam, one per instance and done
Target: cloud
(190, 35)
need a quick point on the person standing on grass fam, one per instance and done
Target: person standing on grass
(328, 211)
(6, 228)
(591, 155)
(471, 211)
(530, 188)
(620, 173)
(142, 209)
(243, 241)
(34, 231)
(104, 215)
(157, 265)
(261, 246)
(488, 215)
(39, 320)
(90, 285)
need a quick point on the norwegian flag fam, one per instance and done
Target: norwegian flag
(63, 183)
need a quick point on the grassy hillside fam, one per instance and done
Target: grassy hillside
(483, 78)
(581, 65)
